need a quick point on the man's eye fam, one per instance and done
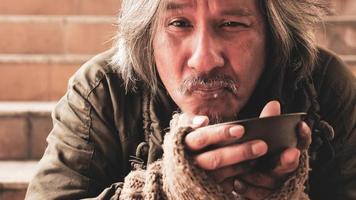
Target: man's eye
(180, 23)
(233, 24)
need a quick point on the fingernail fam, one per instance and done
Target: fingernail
(198, 120)
(236, 131)
(259, 148)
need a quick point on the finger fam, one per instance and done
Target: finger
(230, 155)
(272, 108)
(304, 137)
(205, 136)
(250, 191)
(289, 162)
(262, 180)
(224, 173)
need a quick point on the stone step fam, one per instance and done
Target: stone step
(343, 7)
(36, 77)
(21, 34)
(62, 7)
(14, 178)
(339, 34)
(24, 127)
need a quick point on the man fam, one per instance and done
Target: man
(212, 61)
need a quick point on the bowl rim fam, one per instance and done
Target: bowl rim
(261, 118)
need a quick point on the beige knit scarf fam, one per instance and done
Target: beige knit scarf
(176, 177)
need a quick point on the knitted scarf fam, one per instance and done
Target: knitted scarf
(176, 177)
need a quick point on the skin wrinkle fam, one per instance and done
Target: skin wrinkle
(177, 7)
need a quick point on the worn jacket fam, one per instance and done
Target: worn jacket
(102, 131)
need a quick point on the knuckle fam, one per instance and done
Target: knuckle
(213, 161)
(246, 153)
(225, 132)
(199, 140)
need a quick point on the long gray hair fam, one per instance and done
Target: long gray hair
(290, 26)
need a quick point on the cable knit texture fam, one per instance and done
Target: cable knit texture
(176, 177)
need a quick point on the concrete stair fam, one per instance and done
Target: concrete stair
(33, 77)
(339, 34)
(31, 34)
(62, 7)
(14, 178)
(44, 42)
(343, 7)
(24, 127)
(45, 50)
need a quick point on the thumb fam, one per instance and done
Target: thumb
(193, 121)
(272, 108)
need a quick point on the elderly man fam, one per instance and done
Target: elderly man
(203, 62)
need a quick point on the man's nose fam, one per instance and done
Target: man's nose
(206, 53)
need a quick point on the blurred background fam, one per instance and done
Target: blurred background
(44, 42)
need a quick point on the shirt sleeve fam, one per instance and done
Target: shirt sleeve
(85, 153)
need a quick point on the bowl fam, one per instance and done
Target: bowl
(279, 132)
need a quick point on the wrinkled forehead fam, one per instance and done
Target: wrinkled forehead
(244, 7)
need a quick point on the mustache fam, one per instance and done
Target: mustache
(206, 82)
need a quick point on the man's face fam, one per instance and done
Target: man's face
(210, 54)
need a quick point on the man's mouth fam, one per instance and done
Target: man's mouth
(209, 86)
(209, 92)
(214, 87)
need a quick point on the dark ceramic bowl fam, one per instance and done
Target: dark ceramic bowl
(279, 132)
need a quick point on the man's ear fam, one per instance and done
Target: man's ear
(272, 108)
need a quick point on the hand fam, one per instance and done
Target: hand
(231, 166)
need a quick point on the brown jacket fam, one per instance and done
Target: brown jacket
(98, 126)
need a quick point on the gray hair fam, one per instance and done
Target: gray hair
(290, 27)
(133, 46)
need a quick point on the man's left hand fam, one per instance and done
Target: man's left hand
(239, 177)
